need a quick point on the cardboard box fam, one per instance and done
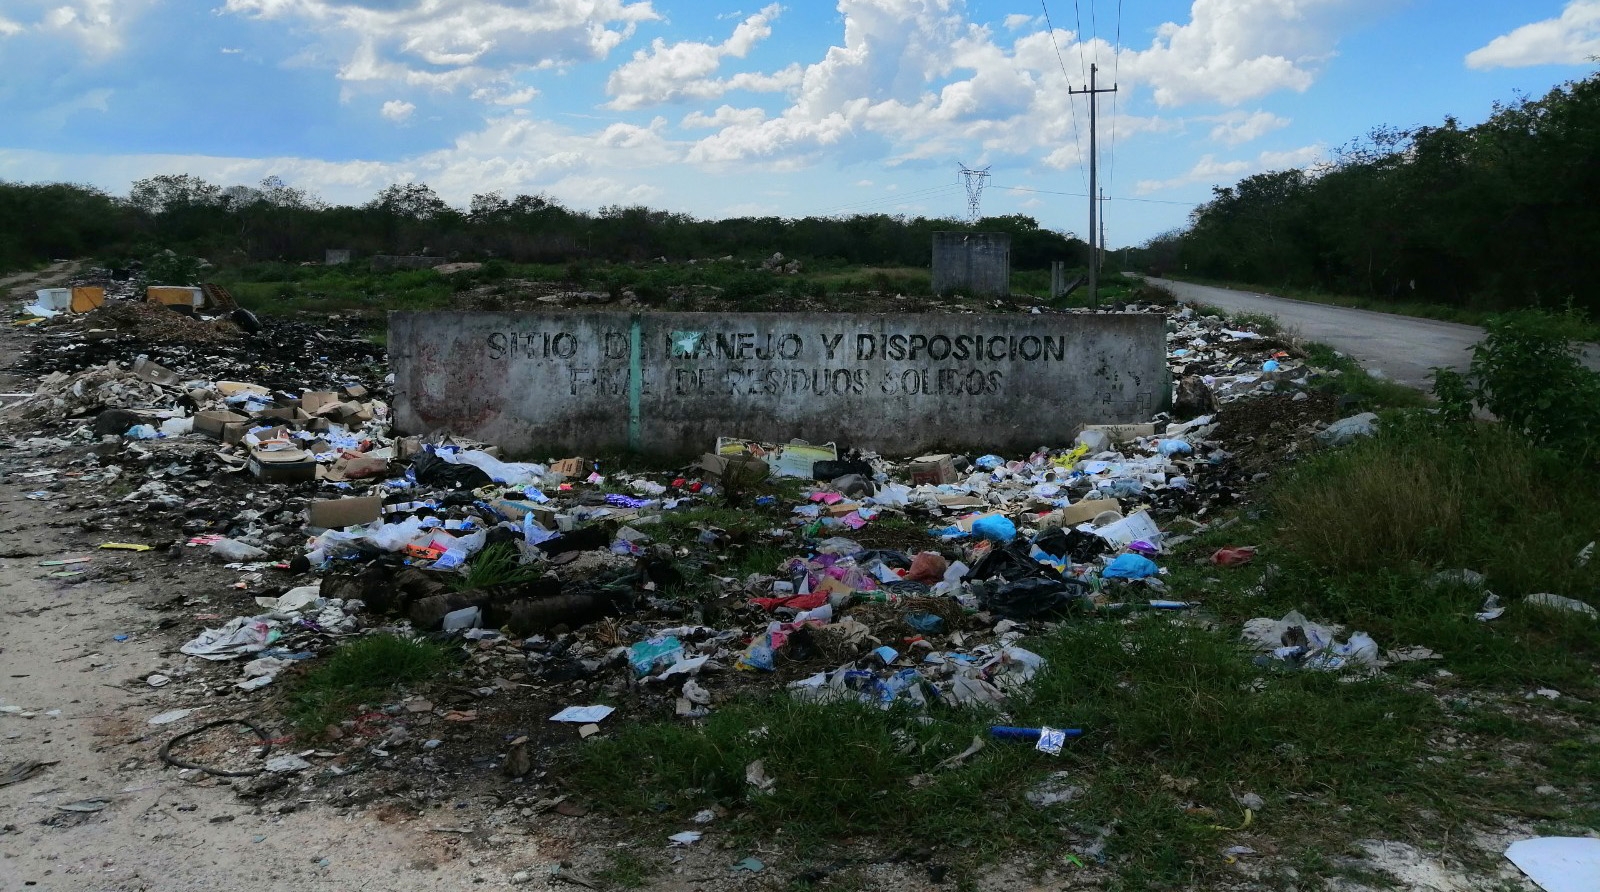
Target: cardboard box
(314, 401)
(87, 297)
(570, 468)
(336, 514)
(215, 424)
(355, 392)
(404, 447)
(1086, 510)
(933, 470)
(840, 509)
(745, 469)
(282, 465)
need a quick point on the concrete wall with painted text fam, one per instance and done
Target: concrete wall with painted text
(565, 382)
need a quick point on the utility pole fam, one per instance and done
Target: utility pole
(1102, 224)
(1094, 278)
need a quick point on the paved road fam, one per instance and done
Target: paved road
(1403, 348)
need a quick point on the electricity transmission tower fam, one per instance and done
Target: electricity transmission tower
(975, 181)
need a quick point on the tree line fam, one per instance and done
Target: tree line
(1498, 215)
(277, 222)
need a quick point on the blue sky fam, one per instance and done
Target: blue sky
(718, 108)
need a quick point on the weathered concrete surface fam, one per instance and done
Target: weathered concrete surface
(561, 382)
(977, 263)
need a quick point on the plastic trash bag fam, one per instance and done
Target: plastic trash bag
(1348, 430)
(1033, 597)
(653, 654)
(234, 550)
(995, 528)
(504, 472)
(1130, 566)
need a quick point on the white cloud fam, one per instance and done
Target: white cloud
(864, 183)
(96, 25)
(1237, 128)
(8, 27)
(397, 110)
(1211, 171)
(231, 51)
(1570, 39)
(682, 71)
(724, 116)
(921, 76)
(1017, 20)
(455, 44)
(1233, 51)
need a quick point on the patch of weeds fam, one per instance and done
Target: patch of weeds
(1369, 392)
(1260, 322)
(497, 564)
(1178, 721)
(1361, 529)
(362, 670)
(627, 870)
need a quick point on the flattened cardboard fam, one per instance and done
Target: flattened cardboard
(354, 466)
(1089, 509)
(336, 514)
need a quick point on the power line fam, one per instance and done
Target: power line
(1192, 204)
(1116, 67)
(1072, 108)
(858, 206)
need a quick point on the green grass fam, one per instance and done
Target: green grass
(1372, 393)
(360, 671)
(1179, 722)
(1580, 330)
(497, 564)
(627, 870)
(282, 290)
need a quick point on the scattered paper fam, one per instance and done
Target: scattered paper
(1559, 863)
(583, 715)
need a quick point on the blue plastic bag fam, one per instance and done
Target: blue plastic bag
(990, 462)
(994, 528)
(1130, 566)
(1169, 448)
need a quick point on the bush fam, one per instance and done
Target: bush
(1529, 374)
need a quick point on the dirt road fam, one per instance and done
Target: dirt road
(1403, 348)
(75, 653)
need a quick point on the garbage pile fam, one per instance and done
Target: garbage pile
(853, 576)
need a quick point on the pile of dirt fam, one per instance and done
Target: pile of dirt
(1269, 429)
(156, 323)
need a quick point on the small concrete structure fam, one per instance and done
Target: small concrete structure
(977, 263)
(335, 256)
(554, 383)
